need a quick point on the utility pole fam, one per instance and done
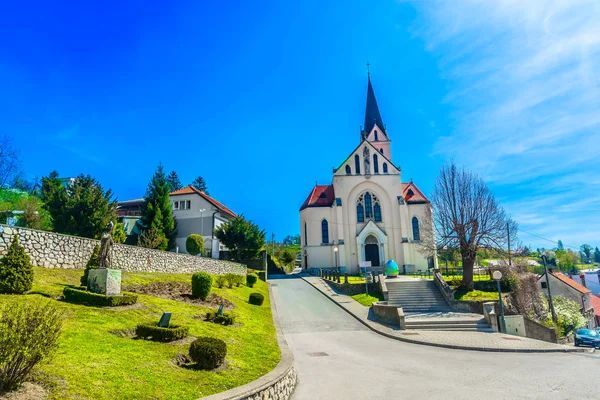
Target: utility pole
(508, 234)
(550, 303)
(273, 244)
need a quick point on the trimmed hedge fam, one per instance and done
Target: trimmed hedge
(194, 244)
(161, 334)
(256, 298)
(223, 319)
(201, 285)
(82, 296)
(208, 352)
(251, 279)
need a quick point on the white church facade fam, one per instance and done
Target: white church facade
(367, 215)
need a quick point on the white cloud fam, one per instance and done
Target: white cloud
(523, 77)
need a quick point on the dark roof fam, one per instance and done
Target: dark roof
(412, 194)
(320, 196)
(191, 189)
(372, 115)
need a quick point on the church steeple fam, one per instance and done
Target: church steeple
(372, 115)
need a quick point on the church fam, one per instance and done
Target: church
(367, 215)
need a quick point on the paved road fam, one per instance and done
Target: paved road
(360, 364)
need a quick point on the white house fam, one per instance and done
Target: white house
(367, 213)
(196, 212)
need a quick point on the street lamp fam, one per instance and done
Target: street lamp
(335, 255)
(202, 221)
(497, 277)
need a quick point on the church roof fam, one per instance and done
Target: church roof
(192, 190)
(372, 115)
(412, 194)
(320, 196)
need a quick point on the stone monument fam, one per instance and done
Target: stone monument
(104, 280)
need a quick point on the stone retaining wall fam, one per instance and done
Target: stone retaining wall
(54, 250)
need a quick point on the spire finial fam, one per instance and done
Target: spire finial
(368, 69)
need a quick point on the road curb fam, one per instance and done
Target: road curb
(447, 346)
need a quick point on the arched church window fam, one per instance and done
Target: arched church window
(360, 213)
(348, 172)
(324, 231)
(415, 226)
(381, 151)
(305, 235)
(375, 164)
(385, 168)
(377, 212)
(376, 139)
(368, 205)
(357, 164)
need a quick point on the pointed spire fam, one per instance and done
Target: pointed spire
(372, 115)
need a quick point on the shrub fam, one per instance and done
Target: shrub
(28, 334)
(194, 244)
(256, 298)
(91, 264)
(16, 271)
(161, 334)
(220, 280)
(82, 296)
(201, 285)
(239, 280)
(231, 279)
(208, 352)
(251, 279)
(223, 319)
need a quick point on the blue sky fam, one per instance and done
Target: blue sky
(264, 98)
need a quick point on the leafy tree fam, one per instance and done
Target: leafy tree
(561, 246)
(467, 216)
(291, 239)
(568, 313)
(194, 244)
(83, 208)
(174, 181)
(150, 239)
(597, 255)
(34, 216)
(288, 257)
(118, 234)
(200, 184)
(243, 238)
(157, 214)
(586, 253)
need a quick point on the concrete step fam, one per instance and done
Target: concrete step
(455, 329)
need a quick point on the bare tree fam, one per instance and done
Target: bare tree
(466, 216)
(9, 161)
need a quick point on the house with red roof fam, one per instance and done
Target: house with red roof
(366, 215)
(566, 286)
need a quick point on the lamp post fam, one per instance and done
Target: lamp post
(550, 303)
(497, 277)
(202, 221)
(335, 255)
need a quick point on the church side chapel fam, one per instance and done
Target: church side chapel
(367, 215)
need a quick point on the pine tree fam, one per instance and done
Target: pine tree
(200, 184)
(560, 245)
(174, 181)
(54, 201)
(16, 271)
(157, 215)
(597, 255)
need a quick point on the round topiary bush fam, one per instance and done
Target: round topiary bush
(16, 271)
(208, 352)
(256, 298)
(194, 244)
(251, 279)
(201, 284)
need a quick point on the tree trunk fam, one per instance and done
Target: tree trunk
(468, 263)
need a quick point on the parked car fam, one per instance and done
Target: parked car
(588, 337)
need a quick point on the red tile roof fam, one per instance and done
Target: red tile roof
(595, 300)
(570, 282)
(412, 194)
(320, 196)
(191, 190)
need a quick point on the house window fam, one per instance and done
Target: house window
(375, 164)
(368, 205)
(305, 235)
(357, 164)
(324, 232)
(544, 285)
(377, 212)
(415, 226)
(338, 201)
(348, 172)
(175, 205)
(376, 139)
(188, 204)
(360, 213)
(385, 168)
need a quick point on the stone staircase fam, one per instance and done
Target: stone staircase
(425, 307)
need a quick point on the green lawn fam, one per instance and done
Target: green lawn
(92, 363)
(475, 295)
(354, 280)
(366, 299)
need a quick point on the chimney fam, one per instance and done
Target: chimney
(582, 276)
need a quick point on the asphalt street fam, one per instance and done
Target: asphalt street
(339, 358)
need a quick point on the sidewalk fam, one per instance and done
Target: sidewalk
(478, 341)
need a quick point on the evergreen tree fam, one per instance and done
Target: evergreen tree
(174, 181)
(560, 247)
(157, 215)
(243, 238)
(54, 199)
(597, 255)
(200, 184)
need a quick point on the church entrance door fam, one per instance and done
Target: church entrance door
(372, 254)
